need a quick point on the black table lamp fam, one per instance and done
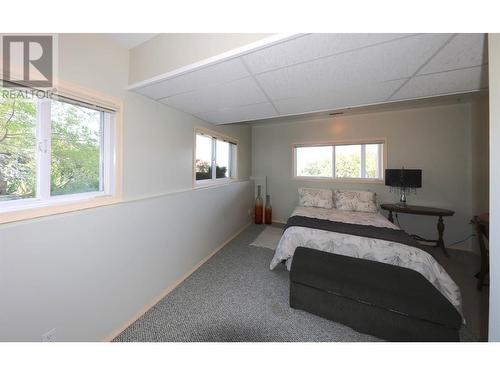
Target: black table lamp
(403, 180)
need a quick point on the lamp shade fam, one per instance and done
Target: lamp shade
(411, 178)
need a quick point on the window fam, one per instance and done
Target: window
(53, 150)
(215, 158)
(314, 161)
(348, 161)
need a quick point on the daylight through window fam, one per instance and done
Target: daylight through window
(52, 149)
(215, 159)
(339, 161)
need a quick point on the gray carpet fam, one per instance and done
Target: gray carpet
(235, 297)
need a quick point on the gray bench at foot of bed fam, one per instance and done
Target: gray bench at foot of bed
(386, 301)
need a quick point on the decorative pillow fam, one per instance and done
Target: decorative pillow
(322, 198)
(353, 200)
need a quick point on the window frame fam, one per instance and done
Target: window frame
(233, 159)
(362, 142)
(112, 175)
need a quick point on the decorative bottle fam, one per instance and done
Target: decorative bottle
(258, 206)
(268, 211)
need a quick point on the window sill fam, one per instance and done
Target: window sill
(57, 205)
(340, 180)
(211, 183)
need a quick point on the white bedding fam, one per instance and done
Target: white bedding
(363, 247)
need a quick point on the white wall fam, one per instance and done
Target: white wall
(158, 147)
(480, 154)
(158, 139)
(494, 74)
(167, 52)
(87, 273)
(436, 139)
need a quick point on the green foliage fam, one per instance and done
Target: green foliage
(347, 166)
(17, 147)
(371, 164)
(204, 170)
(317, 168)
(75, 165)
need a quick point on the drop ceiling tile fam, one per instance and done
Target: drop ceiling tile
(245, 113)
(309, 47)
(389, 61)
(464, 50)
(349, 97)
(211, 75)
(455, 81)
(325, 72)
(232, 94)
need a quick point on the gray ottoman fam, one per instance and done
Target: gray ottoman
(386, 301)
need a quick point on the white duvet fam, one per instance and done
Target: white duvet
(362, 247)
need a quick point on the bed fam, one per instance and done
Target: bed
(362, 235)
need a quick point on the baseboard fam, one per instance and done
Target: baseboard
(470, 245)
(165, 292)
(464, 249)
(279, 221)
